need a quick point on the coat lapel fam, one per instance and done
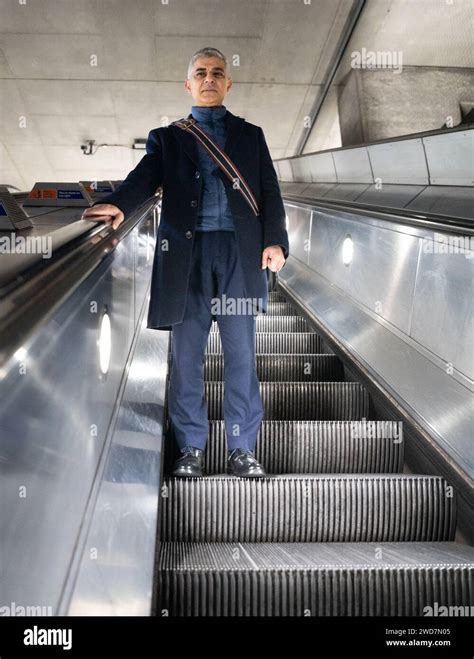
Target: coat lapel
(188, 141)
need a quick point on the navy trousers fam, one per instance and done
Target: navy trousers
(216, 290)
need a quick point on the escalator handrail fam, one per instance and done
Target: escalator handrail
(27, 301)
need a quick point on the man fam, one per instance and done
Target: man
(211, 260)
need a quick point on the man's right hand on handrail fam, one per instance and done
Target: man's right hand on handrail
(104, 213)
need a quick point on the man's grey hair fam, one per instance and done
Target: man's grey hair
(206, 52)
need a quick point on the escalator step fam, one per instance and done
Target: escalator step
(342, 401)
(266, 323)
(314, 447)
(339, 579)
(343, 508)
(284, 368)
(281, 309)
(275, 342)
(276, 296)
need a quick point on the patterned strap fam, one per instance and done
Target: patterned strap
(221, 158)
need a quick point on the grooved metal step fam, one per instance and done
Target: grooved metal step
(319, 447)
(337, 530)
(283, 368)
(281, 309)
(337, 579)
(276, 296)
(266, 323)
(344, 508)
(301, 400)
(275, 342)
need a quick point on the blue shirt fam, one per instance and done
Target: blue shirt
(214, 212)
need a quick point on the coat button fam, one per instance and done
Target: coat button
(197, 174)
(194, 203)
(189, 234)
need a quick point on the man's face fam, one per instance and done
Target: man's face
(208, 83)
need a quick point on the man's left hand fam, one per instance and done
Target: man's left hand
(273, 258)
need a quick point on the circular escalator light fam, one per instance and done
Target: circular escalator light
(347, 250)
(105, 343)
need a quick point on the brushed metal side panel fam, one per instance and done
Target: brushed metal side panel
(145, 246)
(55, 409)
(443, 308)
(382, 273)
(442, 405)
(118, 578)
(299, 224)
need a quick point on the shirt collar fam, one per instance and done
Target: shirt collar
(211, 113)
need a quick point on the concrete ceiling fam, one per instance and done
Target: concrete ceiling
(54, 97)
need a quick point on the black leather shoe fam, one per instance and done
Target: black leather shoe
(242, 462)
(190, 463)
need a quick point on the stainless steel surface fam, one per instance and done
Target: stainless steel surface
(145, 237)
(242, 546)
(264, 323)
(438, 401)
(308, 508)
(314, 447)
(332, 216)
(60, 216)
(280, 309)
(332, 579)
(443, 308)
(115, 558)
(299, 227)
(383, 270)
(283, 368)
(32, 297)
(57, 412)
(47, 240)
(300, 400)
(275, 342)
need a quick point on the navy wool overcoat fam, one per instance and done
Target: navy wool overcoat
(171, 162)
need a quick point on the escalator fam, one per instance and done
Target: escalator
(336, 529)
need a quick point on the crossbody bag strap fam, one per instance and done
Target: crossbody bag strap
(221, 158)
